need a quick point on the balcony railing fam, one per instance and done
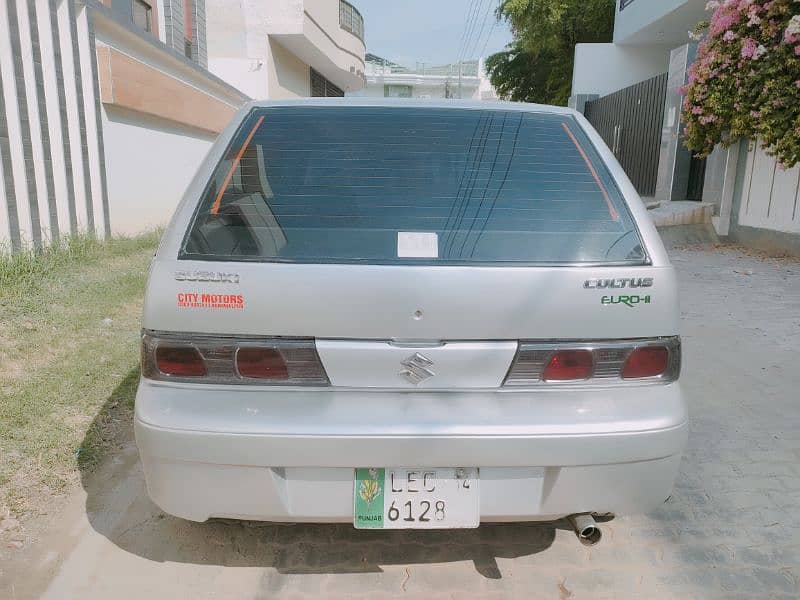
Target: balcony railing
(468, 68)
(350, 19)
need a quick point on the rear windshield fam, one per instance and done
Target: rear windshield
(409, 185)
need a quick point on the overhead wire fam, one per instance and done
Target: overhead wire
(471, 12)
(480, 33)
(473, 30)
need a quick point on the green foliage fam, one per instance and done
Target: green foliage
(28, 268)
(537, 65)
(745, 81)
(69, 332)
(520, 76)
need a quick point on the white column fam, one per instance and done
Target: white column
(71, 93)
(5, 226)
(90, 109)
(53, 114)
(722, 221)
(14, 129)
(32, 98)
(161, 25)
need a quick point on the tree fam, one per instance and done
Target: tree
(537, 65)
(745, 81)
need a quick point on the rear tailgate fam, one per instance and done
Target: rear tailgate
(355, 311)
(402, 236)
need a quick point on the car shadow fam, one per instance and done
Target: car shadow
(118, 507)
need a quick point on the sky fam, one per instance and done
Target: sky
(431, 31)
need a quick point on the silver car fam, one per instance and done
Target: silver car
(410, 315)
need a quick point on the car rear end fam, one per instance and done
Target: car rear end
(410, 315)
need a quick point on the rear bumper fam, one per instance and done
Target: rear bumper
(289, 455)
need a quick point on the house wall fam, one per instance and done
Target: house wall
(333, 51)
(605, 68)
(287, 75)
(127, 82)
(160, 113)
(150, 163)
(51, 158)
(770, 196)
(639, 14)
(101, 125)
(267, 48)
(758, 204)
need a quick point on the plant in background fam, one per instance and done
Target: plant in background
(537, 65)
(745, 81)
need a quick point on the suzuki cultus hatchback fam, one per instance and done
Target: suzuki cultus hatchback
(410, 315)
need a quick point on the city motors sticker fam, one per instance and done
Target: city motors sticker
(202, 300)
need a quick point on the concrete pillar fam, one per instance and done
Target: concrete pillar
(718, 185)
(674, 158)
(578, 101)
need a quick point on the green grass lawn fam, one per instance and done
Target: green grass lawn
(69, 329)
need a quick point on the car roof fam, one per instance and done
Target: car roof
(356, 101)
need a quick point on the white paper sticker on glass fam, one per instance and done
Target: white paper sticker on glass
(417, 244)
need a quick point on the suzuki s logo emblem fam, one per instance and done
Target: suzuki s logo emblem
(415, 368)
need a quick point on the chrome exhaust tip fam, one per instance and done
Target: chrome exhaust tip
(586, 529)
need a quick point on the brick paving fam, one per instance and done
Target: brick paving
(729, 531)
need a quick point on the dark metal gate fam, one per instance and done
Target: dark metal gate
(697, 174)
(630, 122)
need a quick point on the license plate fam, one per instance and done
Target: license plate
(416, 498)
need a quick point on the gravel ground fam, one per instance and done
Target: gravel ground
(729, 531)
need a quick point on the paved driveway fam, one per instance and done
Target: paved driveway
(731, 530)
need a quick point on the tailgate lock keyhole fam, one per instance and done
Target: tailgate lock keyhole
(417, 315)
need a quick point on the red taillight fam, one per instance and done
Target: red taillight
(181, 361)
(599, 362)
(261, 363)
(569, 365)
(648, 361)
(224, 359)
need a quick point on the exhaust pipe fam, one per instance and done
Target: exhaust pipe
(586, 529)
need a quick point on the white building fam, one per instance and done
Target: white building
(645, 32)
(749, 199)
(286, 48)
(465, 80)
(107, 107)
(106, 110)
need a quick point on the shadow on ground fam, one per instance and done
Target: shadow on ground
(118, 508)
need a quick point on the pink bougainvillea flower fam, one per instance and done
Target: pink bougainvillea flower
(793, 26)
(752, 49)
(736, 86)
(723, 20)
